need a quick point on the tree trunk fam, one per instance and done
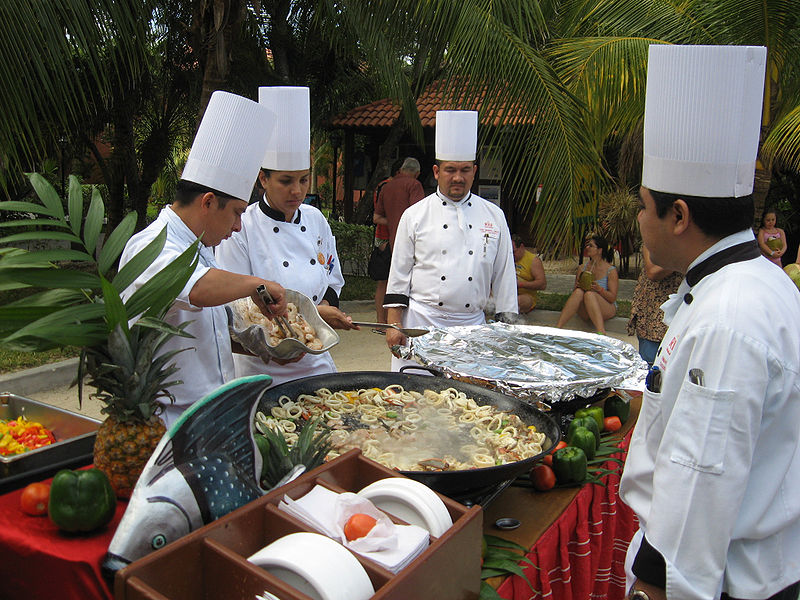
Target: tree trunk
(218, 27)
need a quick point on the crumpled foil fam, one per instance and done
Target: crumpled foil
(541, 364)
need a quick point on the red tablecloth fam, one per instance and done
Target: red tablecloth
(582, 554)
(37, 560)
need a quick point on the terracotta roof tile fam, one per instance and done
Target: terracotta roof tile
(385, 112)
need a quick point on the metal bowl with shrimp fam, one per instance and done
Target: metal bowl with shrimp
(310, 333)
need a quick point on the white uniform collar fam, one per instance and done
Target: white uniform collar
(441, 195)
(186, 235)
(746, 235)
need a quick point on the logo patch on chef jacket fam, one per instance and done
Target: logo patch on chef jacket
(667, 350)
(490, 229)
(328, 263)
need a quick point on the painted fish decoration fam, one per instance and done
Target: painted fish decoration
(206, 465)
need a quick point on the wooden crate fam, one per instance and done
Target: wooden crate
(211, 563)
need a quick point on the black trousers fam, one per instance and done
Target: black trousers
(789, 593)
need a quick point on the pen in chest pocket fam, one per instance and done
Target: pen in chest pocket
(653, 380)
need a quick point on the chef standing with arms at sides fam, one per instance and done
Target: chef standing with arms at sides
(713, 470)
(453, 248)
(211, 196)
(285, 240)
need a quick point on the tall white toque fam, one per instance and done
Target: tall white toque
(227, 149)
(289, 146)
(456, 135)
(702, 119)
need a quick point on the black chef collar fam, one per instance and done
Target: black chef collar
(728, 256)
(275, 214)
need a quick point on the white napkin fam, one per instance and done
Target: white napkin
(390, 545)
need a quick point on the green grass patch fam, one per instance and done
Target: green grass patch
(11, 361)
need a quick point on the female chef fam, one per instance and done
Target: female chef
(282, 236)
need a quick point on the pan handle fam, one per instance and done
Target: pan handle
(430, 370)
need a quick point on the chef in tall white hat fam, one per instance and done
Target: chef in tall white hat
(211, 196)
(713, 471)
(282, 238)
(453, 248)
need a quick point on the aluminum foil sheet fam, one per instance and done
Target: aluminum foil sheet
(531, 362)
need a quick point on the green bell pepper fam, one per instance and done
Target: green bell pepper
(570, 465)
(596, 412)
(585, 440)
(587, 422)
(81, 500)
(615, 406)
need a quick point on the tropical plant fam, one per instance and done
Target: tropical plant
(310, 449)
(83, 307)
(616, 216)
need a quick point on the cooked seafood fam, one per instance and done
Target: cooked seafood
(301, 329)
(409, 430)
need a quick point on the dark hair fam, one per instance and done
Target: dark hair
(605, 252)
(439, 162)
(716, 217)
(767, 211)
(516, 239)
(187, 191)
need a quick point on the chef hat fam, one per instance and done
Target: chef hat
(702, 119)
(289, 147)
(456, 134)
(227, 149)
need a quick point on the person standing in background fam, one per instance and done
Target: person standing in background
(210, 198)
(452, 249)
(392, 197)
(767, 234)
(652, 290)
(713, 467)
(530, 275)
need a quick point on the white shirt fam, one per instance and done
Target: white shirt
(208, 363)
(301, 256)
(713, 472)
(451, 256)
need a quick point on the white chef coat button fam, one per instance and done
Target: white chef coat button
(469, 204)
(470, 252)
(466, 306)
(688, 298)
(443, 277)
(286, 263)
(276, 229)
(445, 225)
(314, 298)
(441, 303)
(302, 228)
(444, 251)
(444, 203)
(469, 278)
(313, 262)
(470, 226)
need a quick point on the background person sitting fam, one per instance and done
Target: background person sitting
(596, 283)
(530, 275)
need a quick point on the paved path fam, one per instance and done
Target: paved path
(357, 351)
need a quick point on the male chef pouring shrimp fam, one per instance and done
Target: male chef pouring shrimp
(452, 249)
(713, 471)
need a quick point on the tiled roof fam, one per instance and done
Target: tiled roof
(384, 113)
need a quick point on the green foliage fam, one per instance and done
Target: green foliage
(78, 307)
(354, 245)
(358, 287)
(309, 450)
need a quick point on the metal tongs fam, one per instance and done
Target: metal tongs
(283, 322)
(406, 331)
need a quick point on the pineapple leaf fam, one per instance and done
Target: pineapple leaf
(94, 221)
(115, 244)
(48, 195)
(115, 309)
(139, 263)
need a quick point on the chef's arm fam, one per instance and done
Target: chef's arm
(650, 570)
(219, 287)
(394, 316)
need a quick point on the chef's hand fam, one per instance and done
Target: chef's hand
(394, 338)
(335, 317)
(278, 294)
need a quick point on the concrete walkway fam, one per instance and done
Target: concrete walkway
(360, 350)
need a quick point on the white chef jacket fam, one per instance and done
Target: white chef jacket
(713, 472)
(301, 256)
(449, 257)
(208, 363)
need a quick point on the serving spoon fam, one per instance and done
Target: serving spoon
(407, 331)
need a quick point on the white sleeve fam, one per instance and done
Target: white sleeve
(398, 287)
(504, 274)
(232, 254)
(335, 277)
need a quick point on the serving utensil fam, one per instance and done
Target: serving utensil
(283, 323)
(406, 331)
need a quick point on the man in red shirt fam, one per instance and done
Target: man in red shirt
(396, 195)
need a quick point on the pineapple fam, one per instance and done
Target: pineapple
(310, 450)
(129, 382)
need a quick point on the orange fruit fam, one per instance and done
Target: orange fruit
(358, 526)
(34, 499)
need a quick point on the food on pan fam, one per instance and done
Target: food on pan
(20, 435)
(300, 327)
(409, 430)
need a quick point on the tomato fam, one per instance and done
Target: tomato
(543, 478)
(358, 526)
(548, 460)
(558, 446)
(612, 424)
(34, 498)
